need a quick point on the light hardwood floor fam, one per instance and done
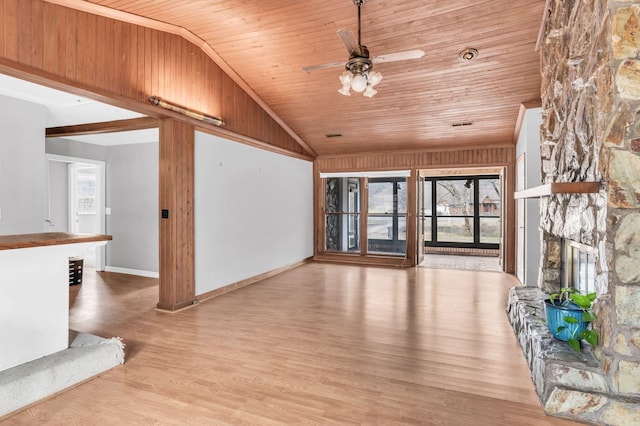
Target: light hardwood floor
(320, 344)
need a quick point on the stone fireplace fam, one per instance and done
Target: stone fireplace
(590, 64)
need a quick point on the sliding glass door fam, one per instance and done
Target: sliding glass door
(462, 211)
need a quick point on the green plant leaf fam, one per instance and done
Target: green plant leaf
(581, 300)
(591, 336)
(553, 297)
(570, 320)
(575, 344)
(591, 296)
(588, 316)
(560, 328)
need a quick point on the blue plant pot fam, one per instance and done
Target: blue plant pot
(555, 318)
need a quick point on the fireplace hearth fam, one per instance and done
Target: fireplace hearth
(568, 383)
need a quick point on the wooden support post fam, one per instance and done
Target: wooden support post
(177, 276)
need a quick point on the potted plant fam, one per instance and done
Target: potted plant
(569, 315)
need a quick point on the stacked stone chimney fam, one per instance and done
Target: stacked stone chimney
(590, 64)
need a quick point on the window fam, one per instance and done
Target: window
(342, 208)
(384, 207)
(86, 191)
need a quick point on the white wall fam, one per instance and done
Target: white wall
(253, 208)
(71, 148)
(253, 211)
(22, 166)
(529, 144)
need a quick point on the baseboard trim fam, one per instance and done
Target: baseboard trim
(139, 272)
(243, 283)
(163, 307)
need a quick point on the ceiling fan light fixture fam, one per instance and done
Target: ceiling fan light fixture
(359, 81)
(359, 74)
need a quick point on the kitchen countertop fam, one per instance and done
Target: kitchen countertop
(19, 241)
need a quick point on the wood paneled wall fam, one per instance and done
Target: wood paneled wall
(499, 156)
(177, 267)
(114, 60)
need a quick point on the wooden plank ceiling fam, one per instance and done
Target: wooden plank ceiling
(268, 42)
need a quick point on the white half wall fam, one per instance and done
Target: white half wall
(22, 166)
(132, 195)
(253, 211)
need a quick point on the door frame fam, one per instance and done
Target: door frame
(521, 220)
(420, 217)
(100, 199)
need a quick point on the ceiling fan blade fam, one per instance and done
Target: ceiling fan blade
(324, 66)
(349, 41)
(398, 56)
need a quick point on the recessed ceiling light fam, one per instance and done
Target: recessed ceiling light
(468, 54)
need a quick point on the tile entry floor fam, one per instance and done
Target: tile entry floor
(472, 263)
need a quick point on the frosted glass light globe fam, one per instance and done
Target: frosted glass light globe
(345, 78)
(344, 90)
(359, 83)
(370, 91)
(374, 78)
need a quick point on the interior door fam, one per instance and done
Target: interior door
(76, 200)
(84, 215)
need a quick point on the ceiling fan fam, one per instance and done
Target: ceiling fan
(359, 75)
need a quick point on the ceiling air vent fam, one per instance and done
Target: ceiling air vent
(462, 124)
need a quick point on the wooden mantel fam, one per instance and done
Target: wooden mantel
(11, 242)
(559, 188)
